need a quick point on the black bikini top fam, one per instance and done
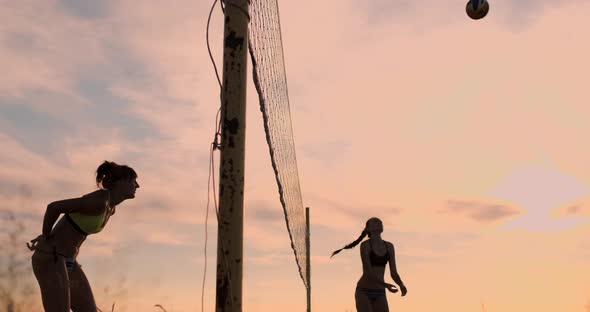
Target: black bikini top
(377, 260)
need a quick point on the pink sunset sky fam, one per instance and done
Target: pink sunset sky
(467, 138)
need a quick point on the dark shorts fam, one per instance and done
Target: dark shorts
(70, 263)
(371, 293)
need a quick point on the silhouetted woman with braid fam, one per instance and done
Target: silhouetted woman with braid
(375, 253)
(62, 282)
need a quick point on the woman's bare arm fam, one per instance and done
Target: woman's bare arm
(92, 204)
(392, 267)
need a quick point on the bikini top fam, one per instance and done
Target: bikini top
(88, 224)
(376, 260)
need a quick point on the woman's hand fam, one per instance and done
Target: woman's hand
(391, 288)
(36, 241)
(404, 290)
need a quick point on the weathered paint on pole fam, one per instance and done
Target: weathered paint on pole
(308, 258)
(232, 157)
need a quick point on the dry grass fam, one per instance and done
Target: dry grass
(113, 308)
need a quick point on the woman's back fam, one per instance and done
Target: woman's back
(65, 239)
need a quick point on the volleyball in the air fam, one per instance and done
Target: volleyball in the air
(477, 9)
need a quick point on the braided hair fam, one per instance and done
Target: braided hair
(357, 241)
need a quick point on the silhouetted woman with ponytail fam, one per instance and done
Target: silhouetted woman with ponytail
(63, 284)
(375, 253)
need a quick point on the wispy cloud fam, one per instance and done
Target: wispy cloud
(384, 11)
(481, 212)
(263, 211)
(360, 212)
(575, 208)
(85, 9)
(519, 14)
(328, 153)
(540, 191)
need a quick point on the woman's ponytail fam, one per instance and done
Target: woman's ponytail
(351, 245)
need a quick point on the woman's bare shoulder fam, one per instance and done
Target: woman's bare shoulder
(91, 203)
(99, 194)
(365, 244)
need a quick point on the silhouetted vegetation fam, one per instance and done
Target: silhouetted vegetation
(17, 291)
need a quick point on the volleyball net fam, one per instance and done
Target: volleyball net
(270, 79)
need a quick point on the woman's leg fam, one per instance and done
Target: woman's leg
(50, 271)
(380, 304)
(81, 293)
(363, 304)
